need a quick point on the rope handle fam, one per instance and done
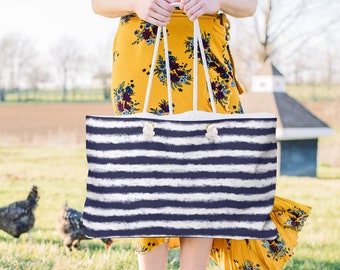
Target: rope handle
(197, 42)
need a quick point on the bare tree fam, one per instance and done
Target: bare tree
(36, 75)
(101, 67)
(68, 58)
(18, 53)
(283, 32)
(291, 24)
(8, 50)
(104, 78)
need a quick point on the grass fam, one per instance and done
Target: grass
(314, 92)
(318, 243)
(55, 95)
(305, 92)
(60, 174)
(328, 172)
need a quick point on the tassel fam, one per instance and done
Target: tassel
(148, 131)
(212, 133)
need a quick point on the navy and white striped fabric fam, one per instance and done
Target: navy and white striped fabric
(180, 183)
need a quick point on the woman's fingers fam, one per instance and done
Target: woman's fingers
(157, 12)
(196, 8)
(194, 11)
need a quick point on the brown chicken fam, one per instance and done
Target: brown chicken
(70, 223)
(18, 217)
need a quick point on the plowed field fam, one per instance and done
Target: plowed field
(63, 124)
(47, 124)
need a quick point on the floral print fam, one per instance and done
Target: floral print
(247, 265)
(123, 98)
(126, 19)
(221, 91)
(145, 248)
(179, 73)
(132, 54)
(140, 48)
(147, 32)
(296, 219)
(220, 84)
(237, 108)
(162, 109)
(252, 254)
(277, 248)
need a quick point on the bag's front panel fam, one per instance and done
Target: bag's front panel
(181, 180)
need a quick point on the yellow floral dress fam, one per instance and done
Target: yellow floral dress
(132, 53)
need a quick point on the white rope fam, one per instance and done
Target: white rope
(167, 67)
(197, 41)
(195, 90)
(152, 70)
(197, 32)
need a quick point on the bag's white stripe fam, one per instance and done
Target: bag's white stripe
(198, 140)
(171, 210)
(180, 125)
(193, 155)
(183, 197)
(173, 168)
(159, 182)
(199, 224)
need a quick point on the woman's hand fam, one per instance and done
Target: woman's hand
(157, 12)
(196, 8)
(236, 8)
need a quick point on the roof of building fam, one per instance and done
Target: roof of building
(291, 115)
(268, 69)
(294, 121)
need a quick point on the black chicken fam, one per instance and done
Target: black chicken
(18, 217)
(70, 225)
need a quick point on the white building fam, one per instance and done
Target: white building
(298, 129)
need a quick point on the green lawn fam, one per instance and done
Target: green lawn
(55, 95)
(60, 175)
(301, 92)
(317, 92)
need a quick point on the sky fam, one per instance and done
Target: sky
(45, 22)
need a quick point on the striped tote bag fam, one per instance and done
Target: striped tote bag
(196, 174)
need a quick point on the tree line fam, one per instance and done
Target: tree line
(298, 36)
(23, 67)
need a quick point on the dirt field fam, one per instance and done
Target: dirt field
(47, 124)
(327, 111)
(64, 125)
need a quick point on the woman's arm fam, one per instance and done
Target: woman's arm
(157, 12)
(112, 8)
(235, 8)
(239, 8)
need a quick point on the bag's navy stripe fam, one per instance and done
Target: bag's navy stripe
(177, 217)
(180, 148)
(183, 175)
(257, 194)
(183, 204)
(165, 232)
(174, 161)
(179, 190)
(180, 134)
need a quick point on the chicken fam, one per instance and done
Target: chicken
(70, 226)
(18, 217)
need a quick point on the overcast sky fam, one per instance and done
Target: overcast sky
(46, 21)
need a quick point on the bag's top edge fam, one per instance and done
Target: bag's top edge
(190, 116)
